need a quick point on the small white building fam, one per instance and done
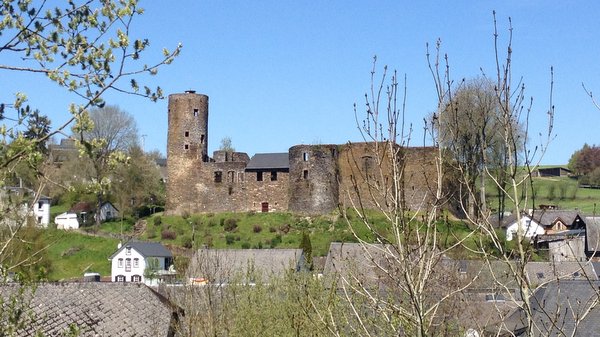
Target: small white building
(41, 211)
(527, 226)
(130, 260)
(66, 221)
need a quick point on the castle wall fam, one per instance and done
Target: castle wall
(313, 187)
(368, 178)
(272, 192)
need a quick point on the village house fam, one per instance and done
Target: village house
(86, 212)
(39, 210)
(136, 261)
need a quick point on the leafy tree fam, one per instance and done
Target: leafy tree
(86, 48)
(470, 127)
(226, 145)
(584, 162)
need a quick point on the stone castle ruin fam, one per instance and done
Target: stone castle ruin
(308, 179)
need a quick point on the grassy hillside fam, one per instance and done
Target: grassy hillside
(560, 191)
(73, 254)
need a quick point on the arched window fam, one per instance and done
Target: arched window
(136, 278)
(120, 278)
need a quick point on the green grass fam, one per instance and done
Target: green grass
(560, 191)
(73, 254)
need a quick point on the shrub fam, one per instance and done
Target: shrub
(229, 239)
(230, 225)
(222, 222)
(257, 229)
(168, 234)
(180, 231)
(272, 229)
(285, 228)
(186, 242)
(275, 241)
(245, 245)
(157, 220)
(212, 223)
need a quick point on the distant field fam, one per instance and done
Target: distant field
(560, 191)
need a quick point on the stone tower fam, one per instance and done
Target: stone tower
(187, 144)
(313, 179)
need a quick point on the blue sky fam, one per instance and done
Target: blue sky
(280, 73)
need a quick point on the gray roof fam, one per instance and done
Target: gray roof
(147, 249)
(96, 309)
(560, 309)
(543, 272)
(550, 216)
(592, 233)
(223, 265)
(356, 262)
(267, 161)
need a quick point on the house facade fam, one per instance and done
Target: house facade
(129, 262)
(526, 226)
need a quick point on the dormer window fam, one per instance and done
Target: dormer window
(128, 251)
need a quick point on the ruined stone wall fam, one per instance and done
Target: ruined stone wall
(313, 187)
(370, 179)
(272, 192)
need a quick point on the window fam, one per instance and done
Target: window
(230, 191)
(136, 278)
(274, 176)
(264, 207)
(128, 251)
(540, 275)
(120, 263)
(128, 265)
(119, 278)
(305, 156)
(305, 174)
(259, 176)
(230, 176)
(201, 139)
(40, 205)
(241, 177)
(218, 176)
(136, 263)
(186, 146)
(333, 152)
(186, 134)
(195, 112)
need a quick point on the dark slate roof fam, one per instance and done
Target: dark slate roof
(96, 309)
(560, 309)
(147, 249)
(549, 217)
(225, 265)
(267, 161)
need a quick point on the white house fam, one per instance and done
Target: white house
(38, 211)
(41, 211)
(527, 226)
(130, 260)
(66, 221)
